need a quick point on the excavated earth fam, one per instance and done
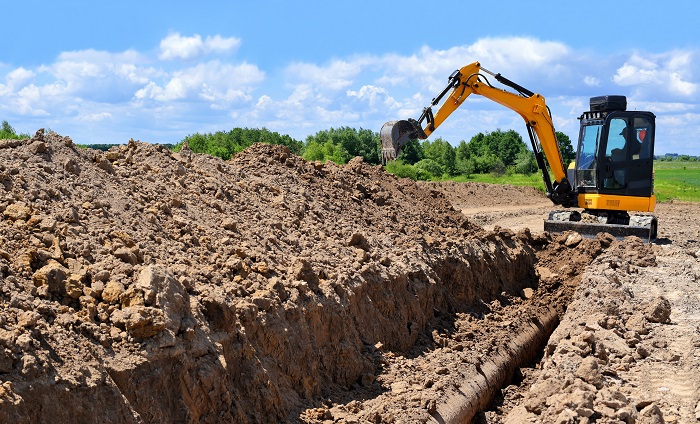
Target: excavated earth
(145, 286)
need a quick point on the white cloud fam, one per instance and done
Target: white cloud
(179, 90)
(94, 117)
(677, 85)
(591, 81)
(672, 71)
(215, 82)
(176, 46)
(508, 52)
(374, 98)
(337, 75)
(632, 73)
(18, 77)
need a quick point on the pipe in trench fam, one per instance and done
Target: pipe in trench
(475, 394)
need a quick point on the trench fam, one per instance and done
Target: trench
(479, 314)
(493, 316)
(479, 392)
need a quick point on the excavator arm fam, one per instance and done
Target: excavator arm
(530, 106)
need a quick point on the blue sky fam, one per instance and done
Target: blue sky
(156, 71)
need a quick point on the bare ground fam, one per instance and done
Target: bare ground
(140, 285)
(628, 347)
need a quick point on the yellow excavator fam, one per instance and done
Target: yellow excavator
(613, 173)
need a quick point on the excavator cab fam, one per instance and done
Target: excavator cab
(613, 173)
(615, 153)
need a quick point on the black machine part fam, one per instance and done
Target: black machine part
(589, 223)
(608, 103)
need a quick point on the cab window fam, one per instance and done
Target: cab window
(586, 162)
(616, 140)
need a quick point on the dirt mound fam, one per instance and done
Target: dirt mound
(141, 285)
(615, 358)
(472, 194)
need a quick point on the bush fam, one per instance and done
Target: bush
(342, 144)
(226, 144)
(498, 169)
(401, 170)
(430, 167)
(525, 163)
(465, 167)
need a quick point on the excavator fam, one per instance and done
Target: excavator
(611, 178)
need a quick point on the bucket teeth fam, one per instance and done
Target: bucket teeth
(388, 155)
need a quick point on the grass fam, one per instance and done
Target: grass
(677, 180)
(672, 180)
(534, 180)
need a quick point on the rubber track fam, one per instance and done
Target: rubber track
(591, 229)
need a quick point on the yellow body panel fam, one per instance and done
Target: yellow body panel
(616, 203)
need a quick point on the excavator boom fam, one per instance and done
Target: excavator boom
(469, 80)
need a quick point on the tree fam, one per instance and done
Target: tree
(348, 143)
(412, 152)
(441, 152)
(526, 163)
(462, 151)
(431, 167)
(7, 128)
(449, 160)
(507, 145)
(7, 132)
(567, 150)
(226, 144)
(326, 151)
(492, 152)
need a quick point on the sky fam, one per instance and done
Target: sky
(157, 71)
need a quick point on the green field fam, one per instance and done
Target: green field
(677, 180)
(534, 180)
(672, 180)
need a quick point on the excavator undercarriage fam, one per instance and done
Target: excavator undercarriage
(589, 225)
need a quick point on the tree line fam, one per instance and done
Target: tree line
(9, 133)
(497, 152)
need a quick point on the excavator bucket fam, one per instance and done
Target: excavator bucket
(394, 134)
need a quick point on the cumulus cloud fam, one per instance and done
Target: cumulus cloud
(374, 98)
(591, 81)
(215, 82)
(95, 117)
(508, 52)
(670, 70)
(19, 76)
(336, 75)
(176, 46)
(181, 85)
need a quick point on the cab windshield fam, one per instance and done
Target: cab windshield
(586, 157)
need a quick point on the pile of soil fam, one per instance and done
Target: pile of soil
(140, 285)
